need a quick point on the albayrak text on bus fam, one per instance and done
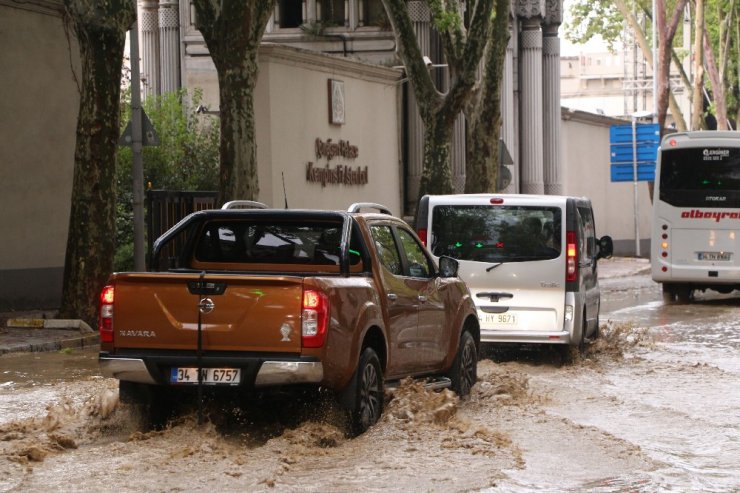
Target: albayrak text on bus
(715, 215)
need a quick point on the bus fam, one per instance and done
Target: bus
(696, 214)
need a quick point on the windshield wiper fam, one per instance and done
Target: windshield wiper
(489, 269)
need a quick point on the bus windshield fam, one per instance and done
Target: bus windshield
(701, 176)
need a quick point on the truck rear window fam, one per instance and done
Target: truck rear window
(274, 242)
(486, 233)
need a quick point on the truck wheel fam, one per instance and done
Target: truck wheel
(151, 405)
(464, 371)
(363, 397)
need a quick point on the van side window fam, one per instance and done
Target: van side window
(587, 242)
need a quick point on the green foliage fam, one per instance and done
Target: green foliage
(186, 159)
(590, 18)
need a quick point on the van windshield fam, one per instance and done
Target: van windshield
(495, 233)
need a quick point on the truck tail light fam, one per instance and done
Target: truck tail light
(571, 260)
(105, 314)
(422, 234)
(315, 318)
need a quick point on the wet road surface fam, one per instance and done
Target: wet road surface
(653, 405)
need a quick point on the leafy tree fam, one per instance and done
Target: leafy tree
(186, 159)
(483, 111)
(232, 31)
(721, 42)
(463, 47)
(100, 27)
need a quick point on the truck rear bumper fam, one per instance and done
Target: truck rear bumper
(270, 373)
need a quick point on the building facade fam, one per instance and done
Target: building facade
(363, 146)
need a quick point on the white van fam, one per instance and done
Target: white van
(530, 262)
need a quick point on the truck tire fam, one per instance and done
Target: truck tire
(363, 397)
(464, 371)
(150, 404)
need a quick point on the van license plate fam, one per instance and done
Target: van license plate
(211, 376)
(715, 256)
(500, 318)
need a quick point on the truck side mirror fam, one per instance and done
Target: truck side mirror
(606, 247)
(448, 266)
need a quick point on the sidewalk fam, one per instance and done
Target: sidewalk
(39, 331)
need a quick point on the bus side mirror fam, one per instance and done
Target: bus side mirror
(447, 266)
(606, 247)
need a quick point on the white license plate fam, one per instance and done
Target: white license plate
(211, 376)
(715, 256)
(500, 318)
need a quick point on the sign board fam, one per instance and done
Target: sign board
(149, 136)
(626, 141)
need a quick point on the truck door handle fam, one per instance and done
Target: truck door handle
(422, 298)
(392, 296)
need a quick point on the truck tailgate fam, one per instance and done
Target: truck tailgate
(249, 313)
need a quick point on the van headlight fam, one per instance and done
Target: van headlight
(568, 313)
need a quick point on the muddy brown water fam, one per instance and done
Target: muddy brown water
(654, 405)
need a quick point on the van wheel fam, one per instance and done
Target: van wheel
(683, 294)
(583, 343)
(363, 397)
(464, 371)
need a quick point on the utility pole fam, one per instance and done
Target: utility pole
(136, 147)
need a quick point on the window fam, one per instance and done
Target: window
(418, 263)
(332, 12)
(587, 244)
(274, 242)
(372, 13)
(496, 233)
(385, 244)
(290, 13)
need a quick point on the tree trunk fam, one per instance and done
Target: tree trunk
(233, 31)
(697, 100)
(648, 54)
(718, 88)
(484, 112)
(464, 48)
(101, 32)
(665, 31)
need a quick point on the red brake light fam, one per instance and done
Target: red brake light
(571, 260)
(422, 233)
(105, 314)
(315, 317)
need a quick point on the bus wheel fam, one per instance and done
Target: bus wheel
(683, 294)
(669, 294)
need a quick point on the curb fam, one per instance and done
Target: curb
(46, 323)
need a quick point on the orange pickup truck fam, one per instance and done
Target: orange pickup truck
(258, 298)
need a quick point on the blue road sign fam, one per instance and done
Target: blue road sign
(647, 139)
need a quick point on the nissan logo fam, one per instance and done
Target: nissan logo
(206, 305)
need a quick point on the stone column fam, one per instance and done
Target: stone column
(421, 18)
(149, 35)
(509, 120)
(530, 80)
(169, 45)
(553, 171)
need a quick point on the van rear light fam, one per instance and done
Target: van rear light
(571, 260)
(422, 234)
(315, 317)
(105, 314)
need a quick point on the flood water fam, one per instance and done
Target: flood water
(654, 405)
